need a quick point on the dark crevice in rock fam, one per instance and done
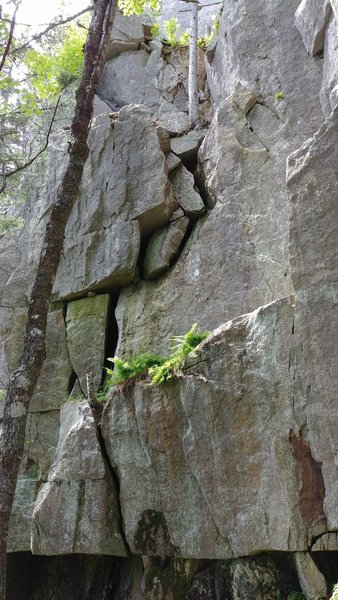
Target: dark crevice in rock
(71, 382)
(183, 243)
(112, 472)
(73, 376)
(270, 576)
(140, 261)
(315, 538)
(202, 188)
(327, 563)
(189, 162)
(111, 335)
(77, 577)
(193, 223)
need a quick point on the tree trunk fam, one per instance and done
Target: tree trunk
(193, 88)
(22, 382)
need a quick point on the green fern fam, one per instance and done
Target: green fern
(126, 369)
(170, 30)
(158, 367)
(181, 347)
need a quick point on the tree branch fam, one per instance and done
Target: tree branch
(5, 176)
(10, 39)
(38, 36)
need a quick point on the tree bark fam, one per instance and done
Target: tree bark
(23, 381)
(192, 84)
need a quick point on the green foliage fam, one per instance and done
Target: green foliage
(2, 394)
(184, 39)
(203, 42)
(52, 70)
(174, 38)
(171, 31)
(124, 370)
(334, 592)
(279, 95)
(158, 367)
(181, 347)
(137, 7)
(215, 27)
(155, 31)
(296, 596)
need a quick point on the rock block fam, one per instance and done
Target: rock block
(127, 34)
(172, 162)
(243, 97)
(311, 20)
(194, 442)
(125, 193)
(186, 146)
(312, 184)
(311, 579)
(42, 432)
(51, 390)
(86, 322)
(78, 493)
(163, 247)
(188, 199)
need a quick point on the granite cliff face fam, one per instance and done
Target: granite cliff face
(222, 483)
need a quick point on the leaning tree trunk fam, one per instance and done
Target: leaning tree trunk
(192, 84)
(22, 382)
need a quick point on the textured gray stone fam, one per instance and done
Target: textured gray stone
(51, 390)
(243, 97)
(12, 328)
(172, 162)
(312, 184)
(260, 47)
(78, 493)
(238, 454)
(127, 34)
(175, 121)
(184, 185)
(163, 137)
(249, 392)
(154, 81)
(9, 258)
(313, 263)
(98, 259)
(328, 93)
(254, 578)
(140, 78)
(311, 579)
(237, 256)
(311, 20)
(86, 332)
(125, 192)
(186, 146)
(163, 247)
(189, 441)
(131, 82)
(42, 431)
